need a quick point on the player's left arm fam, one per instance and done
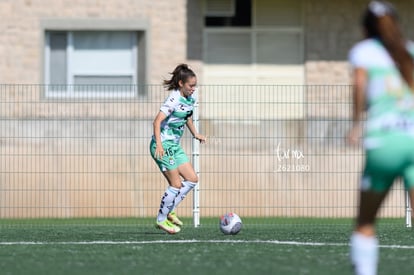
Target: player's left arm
(196, 135)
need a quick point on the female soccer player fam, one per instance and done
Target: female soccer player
(165, 146)
(383, 76)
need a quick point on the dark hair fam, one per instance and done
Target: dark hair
(381, 21)
(181, 73)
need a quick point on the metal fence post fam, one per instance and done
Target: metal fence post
(196, 164)
(407, 210)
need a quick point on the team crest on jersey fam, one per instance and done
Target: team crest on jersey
(172, 161)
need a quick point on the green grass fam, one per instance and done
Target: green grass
(134, 246)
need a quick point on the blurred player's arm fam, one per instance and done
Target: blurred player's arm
(359, 86)
(360, 82)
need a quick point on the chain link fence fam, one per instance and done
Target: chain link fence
(272, 151)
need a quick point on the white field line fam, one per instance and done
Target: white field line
(195, 241)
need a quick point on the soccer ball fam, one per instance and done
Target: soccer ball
(230, 224)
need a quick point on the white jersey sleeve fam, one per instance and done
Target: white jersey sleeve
(369, 53)
(356, 56)
(170, 103)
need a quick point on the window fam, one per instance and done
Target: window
(91, 63)
(261, 43)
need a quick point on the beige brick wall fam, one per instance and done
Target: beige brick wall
(331, 28)
(21, 39)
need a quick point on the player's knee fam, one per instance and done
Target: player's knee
(193, 179)
(175, 183)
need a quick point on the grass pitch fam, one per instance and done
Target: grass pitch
(134, 246)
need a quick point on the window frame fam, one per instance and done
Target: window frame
(140, 30)
(217, 13)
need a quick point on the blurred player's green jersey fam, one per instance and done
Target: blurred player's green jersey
(177, 109)
(389, 135)
(390, 102)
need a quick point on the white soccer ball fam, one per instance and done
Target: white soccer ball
(230, 223)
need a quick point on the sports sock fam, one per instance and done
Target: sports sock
(167, 203)
(364, 254)
(186, 187)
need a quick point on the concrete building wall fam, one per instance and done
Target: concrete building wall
(331, 28)
(175, 34)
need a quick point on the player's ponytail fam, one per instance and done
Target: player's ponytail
(381, 22)
(181, 73)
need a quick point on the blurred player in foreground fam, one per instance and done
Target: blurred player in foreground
(383, 76)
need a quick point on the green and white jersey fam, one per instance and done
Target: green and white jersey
(177, 109)
(389, 100)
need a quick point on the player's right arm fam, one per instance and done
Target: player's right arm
(360, 60)
(360, 82)
(159, 149)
